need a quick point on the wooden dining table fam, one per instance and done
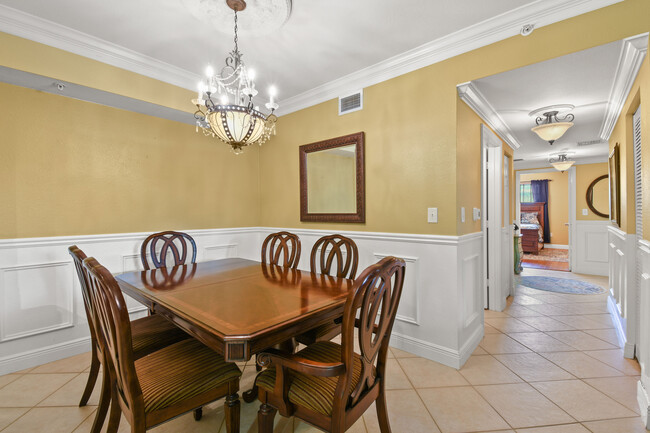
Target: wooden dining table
(239, 307)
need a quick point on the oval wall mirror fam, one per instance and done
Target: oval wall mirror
(597, 196)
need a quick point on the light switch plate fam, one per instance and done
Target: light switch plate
(476, 214)
(462, 214)
(585, 212)
(432, 215)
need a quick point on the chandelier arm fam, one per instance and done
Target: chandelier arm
(540, 120)
(568, 118)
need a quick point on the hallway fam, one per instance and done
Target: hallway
(549, 364)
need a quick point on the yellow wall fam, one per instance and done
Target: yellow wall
(412, 136)
(468, 160)
(411, 144)
(585, 174)
(29, 56)
(558, 202)
(73, 168)
(468, 163)
(622, 134)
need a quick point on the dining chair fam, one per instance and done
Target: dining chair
(327, 384)
(282, 249)
(338, 256)
(179, 244)
(149, 334)
(165, 384)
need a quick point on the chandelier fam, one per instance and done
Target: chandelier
(561, 162)
(550, 127)
(225, 107)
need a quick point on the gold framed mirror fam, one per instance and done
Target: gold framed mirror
(597, 196)
(332, 180)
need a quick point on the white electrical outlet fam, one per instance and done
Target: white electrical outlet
(476, 214)
(585, 212)
(462, 214)
(432, 215)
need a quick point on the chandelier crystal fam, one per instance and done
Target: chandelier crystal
(225, 103)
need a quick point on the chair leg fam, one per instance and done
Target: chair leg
(265, 417)
(104, 403)
(232, 409)
(114, 416)
(92, 379)
(198, 414)
(382, 412)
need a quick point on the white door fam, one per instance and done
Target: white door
(493, 290)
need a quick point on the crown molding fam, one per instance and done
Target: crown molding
(632, 54)
(540, 12)
(543, 163)
(469, 94)
(46, 32)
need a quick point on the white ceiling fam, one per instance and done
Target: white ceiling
(584, 79)
(323, 40)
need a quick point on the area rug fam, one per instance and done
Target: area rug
(561, 285)
(549, 254)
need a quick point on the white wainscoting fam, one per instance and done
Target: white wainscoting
(440, 315)
(643, 346)
(42, 317)
(623, 303)
(591, 252)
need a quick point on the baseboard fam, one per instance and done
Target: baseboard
(644, 402)
(43, 355)
(471, 344)
(434, 352)
(619, 326)
(557, 246)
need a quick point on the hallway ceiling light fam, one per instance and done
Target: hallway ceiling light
(561, 162)
(227, 96)
(550, 127)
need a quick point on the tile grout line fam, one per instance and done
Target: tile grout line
(419, 396)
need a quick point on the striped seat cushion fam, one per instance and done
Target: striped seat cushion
(313, 392)
(153, 333)
(181, 371)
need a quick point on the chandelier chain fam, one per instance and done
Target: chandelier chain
(236, 38)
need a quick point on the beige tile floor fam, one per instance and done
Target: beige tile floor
(550, 363)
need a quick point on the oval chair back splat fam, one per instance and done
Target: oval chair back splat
(282, 249)
(335, 250)
(179, 244)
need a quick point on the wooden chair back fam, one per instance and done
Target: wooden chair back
(370, 310)
(178, 243)
(282, 249)
(114, 332)
(168, 279)
(78, 257)
(335, 250)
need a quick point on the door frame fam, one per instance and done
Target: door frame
(572, 205)
(494, 298)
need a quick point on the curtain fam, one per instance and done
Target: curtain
(540, 195)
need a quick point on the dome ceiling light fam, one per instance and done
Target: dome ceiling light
(561, 162)
(550, 126)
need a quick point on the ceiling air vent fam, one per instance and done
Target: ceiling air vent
(351, 102)
(589, 143)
